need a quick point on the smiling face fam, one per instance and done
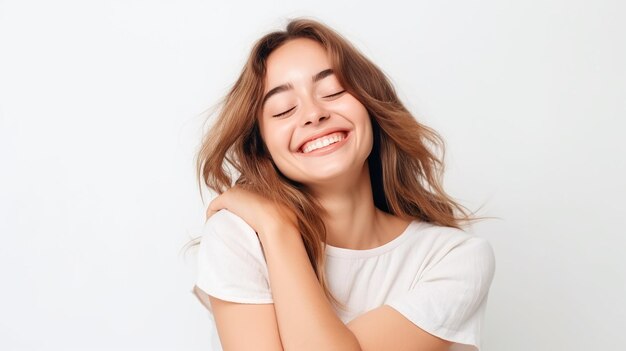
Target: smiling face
(313, 128)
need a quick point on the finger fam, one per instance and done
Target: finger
(214, 206)
(209, 213)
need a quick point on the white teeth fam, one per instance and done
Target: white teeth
(323, 141)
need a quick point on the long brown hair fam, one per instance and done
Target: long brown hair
(405, 167)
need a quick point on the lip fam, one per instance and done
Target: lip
(328, 148)
(321, 134)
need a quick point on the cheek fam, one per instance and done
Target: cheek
(355, 110)
(350, 106)
(276, 137)
(277, 145)
(363, 119)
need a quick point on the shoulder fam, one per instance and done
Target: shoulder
(225, 221)
(455, 246)
(448, 238)
(228, 240)
(448, 297)
(231, 264)
(231, 230)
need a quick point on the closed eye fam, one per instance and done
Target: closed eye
(335, 94)
(284, 113)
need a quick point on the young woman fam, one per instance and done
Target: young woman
(334, 232)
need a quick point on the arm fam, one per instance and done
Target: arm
(256, 321)
(384, 328)
(308, 322)
(246, 326)
(301, 312)
(305, 317)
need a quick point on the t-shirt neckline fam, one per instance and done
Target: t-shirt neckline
(335, 251)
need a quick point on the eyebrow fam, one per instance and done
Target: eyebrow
(284, 87)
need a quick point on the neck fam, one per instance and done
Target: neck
(352, 221)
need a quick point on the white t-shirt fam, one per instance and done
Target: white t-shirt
(437, 277)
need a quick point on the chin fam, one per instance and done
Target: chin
(330, 176)
(326, 173)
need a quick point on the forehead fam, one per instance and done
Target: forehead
(299, 58)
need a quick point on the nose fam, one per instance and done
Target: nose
(314, 114)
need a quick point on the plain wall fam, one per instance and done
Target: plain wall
(101, 111)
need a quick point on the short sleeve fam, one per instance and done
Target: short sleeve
(450, 298)
(230, 263)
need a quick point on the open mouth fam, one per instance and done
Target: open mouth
(323, 142)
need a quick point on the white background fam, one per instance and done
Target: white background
(101, 111)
